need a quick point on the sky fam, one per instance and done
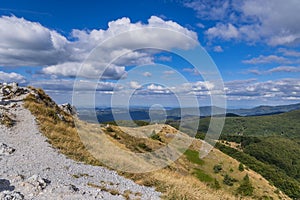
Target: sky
(158, 52)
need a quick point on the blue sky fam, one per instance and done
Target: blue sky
(254, 44)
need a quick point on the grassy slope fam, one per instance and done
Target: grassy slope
(187, 178)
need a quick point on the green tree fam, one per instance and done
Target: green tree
(245, 187)
(241, 167)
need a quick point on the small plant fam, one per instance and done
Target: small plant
(216, 185)
(155, 136)
(229, 180)
(144, 147)
(217, 168)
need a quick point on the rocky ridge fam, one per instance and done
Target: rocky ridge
(31, 169)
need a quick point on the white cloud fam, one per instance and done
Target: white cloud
(11, 77)
(169, 72)
(147, 74)
(134, 85)
(209, 10)
(71, 69)
(36, 45)
(279, 69)
(271, 21)
(275, 90)
(25, 43)
(285, 69)
(81, 85)
(287, 52)
(218, 49)
(165, 58)
(223, 31)
(192, 71)
(200, 25)
(267, 59)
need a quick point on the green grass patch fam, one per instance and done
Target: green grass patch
(202, 176)
(193, 156)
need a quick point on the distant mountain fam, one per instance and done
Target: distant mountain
(265, 110)
(142, 113)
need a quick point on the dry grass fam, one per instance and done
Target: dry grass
(62, 134)
(177, 181)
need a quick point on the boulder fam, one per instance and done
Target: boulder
(38, 182)
(6, 150)
(11, 195)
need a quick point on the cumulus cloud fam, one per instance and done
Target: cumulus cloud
(223, 31)
(11, 77)
(71, 69)
(40, 46)
(269, 21)
(25, 43)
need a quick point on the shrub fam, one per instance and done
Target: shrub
(217, 168)
(229, 180)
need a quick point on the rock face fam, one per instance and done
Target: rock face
(31, 169)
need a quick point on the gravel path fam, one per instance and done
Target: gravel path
(31, 169)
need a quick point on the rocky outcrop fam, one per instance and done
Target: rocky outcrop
(68, 108)
(9, 91)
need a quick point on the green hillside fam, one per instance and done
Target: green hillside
(286, 124)
(270, 145)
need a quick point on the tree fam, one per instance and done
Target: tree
(241, 167)
(245, 187)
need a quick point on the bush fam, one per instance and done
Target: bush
(229, 180)
(217, 168)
